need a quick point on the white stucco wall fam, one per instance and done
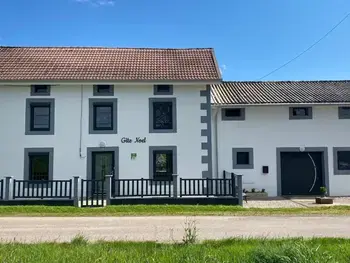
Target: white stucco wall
(269, 127)
(133, 121)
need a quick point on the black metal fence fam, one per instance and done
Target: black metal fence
(1, 189)
(92, 193)
(53, 189)
(141, 188)
(208, 187)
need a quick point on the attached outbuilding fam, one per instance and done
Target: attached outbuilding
(287, 137)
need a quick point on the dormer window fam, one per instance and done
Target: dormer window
(163, 89)
(103, 90)
(40, 90)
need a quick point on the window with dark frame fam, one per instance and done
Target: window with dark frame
(344, 112)
(163, 88)
(162, 115)
(242, 158)
(39, 164)
(343, 159)
(234, 112)
(301, 112)
(163, 164)
(40, 89)
(103, 89)
(103, 116)
(40, 116)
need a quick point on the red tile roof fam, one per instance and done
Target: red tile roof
(107, 64)
(272, 92)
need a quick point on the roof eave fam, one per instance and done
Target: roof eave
(278, 104)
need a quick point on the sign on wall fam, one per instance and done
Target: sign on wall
(136, 140)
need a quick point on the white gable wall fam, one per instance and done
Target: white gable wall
(268, 127)
(133, 121)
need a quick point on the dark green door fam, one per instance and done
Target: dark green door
(102, 165)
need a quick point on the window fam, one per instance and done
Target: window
(242, 158)
(39, 117)
(40, 90)
(299, 113)
(103, 90)
(341, 160)
(38, 163)
(163, 162)
(162, 115)
(103, 116)
(163, 90)
(344, 112)
(233, 114)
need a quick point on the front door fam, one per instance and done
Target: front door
(102, 165)
(302, 173)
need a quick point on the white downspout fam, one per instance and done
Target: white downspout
(216, 148)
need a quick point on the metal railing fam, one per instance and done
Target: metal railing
(141, 187)
(208, 187)
(93, 193)
(41, 189)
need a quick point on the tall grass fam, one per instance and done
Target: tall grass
(234, 250)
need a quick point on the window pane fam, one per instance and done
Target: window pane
(103, 88)
(40, 119)
(243, 158)
(41, 88)
(163, 163)
(39, 166)
(343, 160)
(163, 115)
(103, 117)
(163, 88)
(300, 111)
(233, 112)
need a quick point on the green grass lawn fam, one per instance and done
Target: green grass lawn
(234, 250)
(158, 210)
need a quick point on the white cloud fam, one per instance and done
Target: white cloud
(97, 2)
(223, 68)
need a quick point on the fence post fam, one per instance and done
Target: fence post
(108, 188)
(8, 184)
(175, 193)
(239, 188)
(76, 190)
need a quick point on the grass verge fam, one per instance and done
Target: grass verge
(168, 210)
(233, 250)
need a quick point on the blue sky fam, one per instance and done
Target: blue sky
(250, 37)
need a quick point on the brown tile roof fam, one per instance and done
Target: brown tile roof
(94, 63)
(272, 92)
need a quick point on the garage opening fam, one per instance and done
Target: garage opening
(302, 173)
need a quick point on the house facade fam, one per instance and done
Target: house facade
(152, 113)
(289, 138)
(90, 112)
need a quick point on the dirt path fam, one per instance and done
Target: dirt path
(35, 229)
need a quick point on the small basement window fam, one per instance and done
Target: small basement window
(163, 90)
(40, 90)
(103, 90)
(242, 158)
(237, 114)
(344, 112)
(341, 160)
(299, 113)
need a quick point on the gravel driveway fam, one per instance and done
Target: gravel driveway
(167, 229)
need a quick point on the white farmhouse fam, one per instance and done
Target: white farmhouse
(90, 112)
(151, 113)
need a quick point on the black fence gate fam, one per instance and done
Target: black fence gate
(93, 193)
